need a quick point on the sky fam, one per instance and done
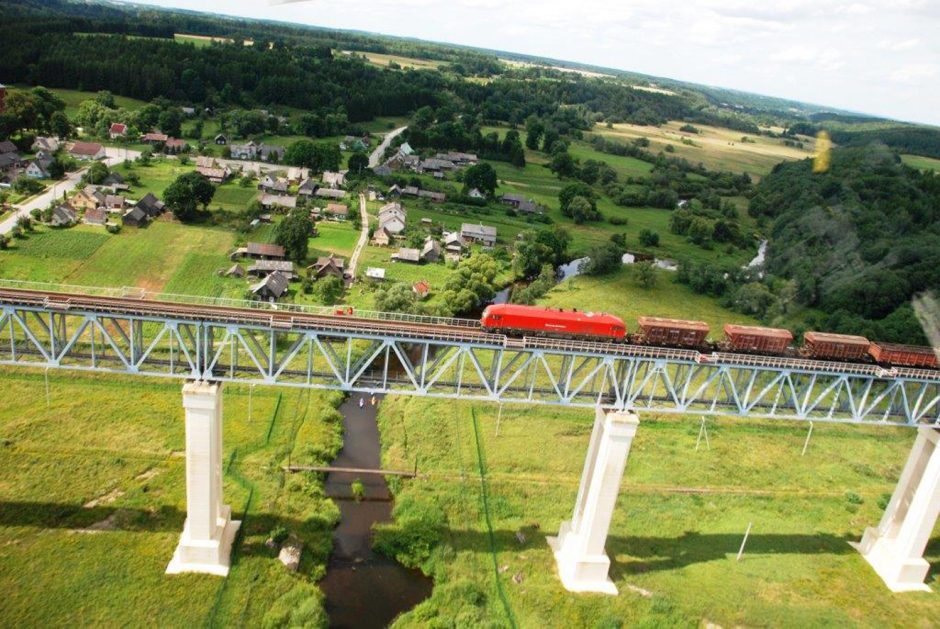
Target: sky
(879, 57)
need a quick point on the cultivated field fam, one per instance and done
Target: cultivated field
(716, 147)
(382, 60)
(677, 528)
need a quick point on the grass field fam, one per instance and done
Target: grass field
(337, 238)
(73, 98)
(678, 525)
(619, 294)
(921, 163)
(199, 41)
(92, 501)
(716, 147)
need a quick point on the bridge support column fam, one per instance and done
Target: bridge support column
(206, 543)
(579, 548)
(895, 548)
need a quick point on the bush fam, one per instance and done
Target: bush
(301, 606)
(358, 490)
(278, 534)
(418, 528)
(649, 238)
(617, 220)
(113, 228)
(853, 498)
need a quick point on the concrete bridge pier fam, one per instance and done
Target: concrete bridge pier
(206, 543)
(895, 548)
(579, 548)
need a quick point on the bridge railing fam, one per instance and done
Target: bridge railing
(131, 292)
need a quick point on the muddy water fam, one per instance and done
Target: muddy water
(364, 589)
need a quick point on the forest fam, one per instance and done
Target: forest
(859, 240)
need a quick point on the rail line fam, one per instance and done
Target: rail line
(132, 331)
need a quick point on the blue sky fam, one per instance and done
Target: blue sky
(874, 56)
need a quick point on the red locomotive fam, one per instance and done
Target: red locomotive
(512, 318)
(517, 320)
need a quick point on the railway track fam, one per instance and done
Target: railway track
(419, 328)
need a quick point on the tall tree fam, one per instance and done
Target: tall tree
(293, 234)
(184, 195)
(481, 176)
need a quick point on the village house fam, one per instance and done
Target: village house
(333, 180)
(453, 244)
(512, 199)
(113, 203)
(392, 218)
(86, 151)
(188, 111)
(85, 199)
(96, 216)
(328, 265)
(307, 187)
(35, 170)
(476, 194)
(329, 193)
(406, 254)
(478, 232)
(353, 143)
(436, 197)
(376, 274)
(135, 217)
(261, 268)
(175, 145)
(154, 138)
(221, 139)
(529, 207)
(49, 145)
(270, 153)
(271, 288)
(382, 171)
(151, 205)
(296, 174)
(270, 184)
(235, 271)
(117, 130)
(459, 159)
(270, 201)
(337, 211)
(63, 216)
(422, 288)
(113, 180)
(211, 170)
(434, 165)
(431, 252)
(248, 150)
(381, 237)
(260, 251)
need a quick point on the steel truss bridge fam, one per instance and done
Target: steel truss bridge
(129, 331)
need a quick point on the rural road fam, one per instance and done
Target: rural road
(113, 156)
(363, 237)
(376, 157)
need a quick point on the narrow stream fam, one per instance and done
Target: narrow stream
(364, 589)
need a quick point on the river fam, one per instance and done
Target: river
(362, 588)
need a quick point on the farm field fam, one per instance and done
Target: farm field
(678, 525)
(84, 255)
(95, 482)
(716, 147)
(921, 163)
(382, 60)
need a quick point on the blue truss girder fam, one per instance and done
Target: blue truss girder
(472, 366)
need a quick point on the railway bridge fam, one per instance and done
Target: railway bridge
(207, 342)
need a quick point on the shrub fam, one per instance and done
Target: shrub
(358, 490)
(418, 528)
(301, 606)
(113, 228)
(278, 534)
(617, 220)
(853, 498)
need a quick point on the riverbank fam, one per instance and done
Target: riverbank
(364, 589)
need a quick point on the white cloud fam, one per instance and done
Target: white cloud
(914, 72)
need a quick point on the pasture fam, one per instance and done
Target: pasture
(678, 525)
(93, 501)
(382, 60)
(921, 163)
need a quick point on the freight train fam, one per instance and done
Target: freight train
(517, 320)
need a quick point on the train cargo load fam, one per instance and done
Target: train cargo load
(673, 332)
(830, 346)
(537, 321)
(903, 355)
(751, 338)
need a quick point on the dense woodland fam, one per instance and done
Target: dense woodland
(859, 240)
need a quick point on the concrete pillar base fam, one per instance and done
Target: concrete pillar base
(579, 572)
(906, 575)
(211, 556)
(579, 548)
(895, 548)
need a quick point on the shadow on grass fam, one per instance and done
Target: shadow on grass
(646, 553)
